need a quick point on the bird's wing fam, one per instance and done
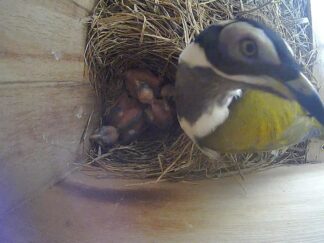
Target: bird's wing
(260, 121)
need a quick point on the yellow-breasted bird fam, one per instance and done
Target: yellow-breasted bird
(239, 89)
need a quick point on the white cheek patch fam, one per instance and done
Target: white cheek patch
(194, 56)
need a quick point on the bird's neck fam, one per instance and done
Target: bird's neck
(202, 101)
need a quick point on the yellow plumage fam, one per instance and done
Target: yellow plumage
(261, 121)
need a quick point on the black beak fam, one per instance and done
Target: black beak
(307, 96)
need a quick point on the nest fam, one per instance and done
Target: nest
(150, 34)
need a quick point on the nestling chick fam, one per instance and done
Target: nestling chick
(145, 94)
(160, 114)
(105, 136)
(168, 91)
(136, 79)
(133, 131)
(127, 116)
(125, 112)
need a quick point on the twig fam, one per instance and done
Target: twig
(255, 9)
(84, 133)
(242, 5)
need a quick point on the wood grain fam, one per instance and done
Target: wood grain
(316, 147)
(42, 40)
(41, 127)
(45, 100)
(280, 205)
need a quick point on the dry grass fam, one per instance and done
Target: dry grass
(151, 34)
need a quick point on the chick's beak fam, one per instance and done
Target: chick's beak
(307, 96)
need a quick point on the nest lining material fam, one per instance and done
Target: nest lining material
(150, 34)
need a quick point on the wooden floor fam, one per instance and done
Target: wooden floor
(280, 205)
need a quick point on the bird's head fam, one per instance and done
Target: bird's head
(251, 55)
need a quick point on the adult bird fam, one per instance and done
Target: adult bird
(239, 89)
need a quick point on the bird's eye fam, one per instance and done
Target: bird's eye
(248, 48)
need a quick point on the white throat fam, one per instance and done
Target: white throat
(210, 119)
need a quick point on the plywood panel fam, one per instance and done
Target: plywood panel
(316, 148)
(40, 129)
(45, 100)
(281, 205)
(42, 40)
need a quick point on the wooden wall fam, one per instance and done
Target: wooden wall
(44, 99)
(316, 147)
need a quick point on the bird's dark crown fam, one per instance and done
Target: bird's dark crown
(288, 69)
